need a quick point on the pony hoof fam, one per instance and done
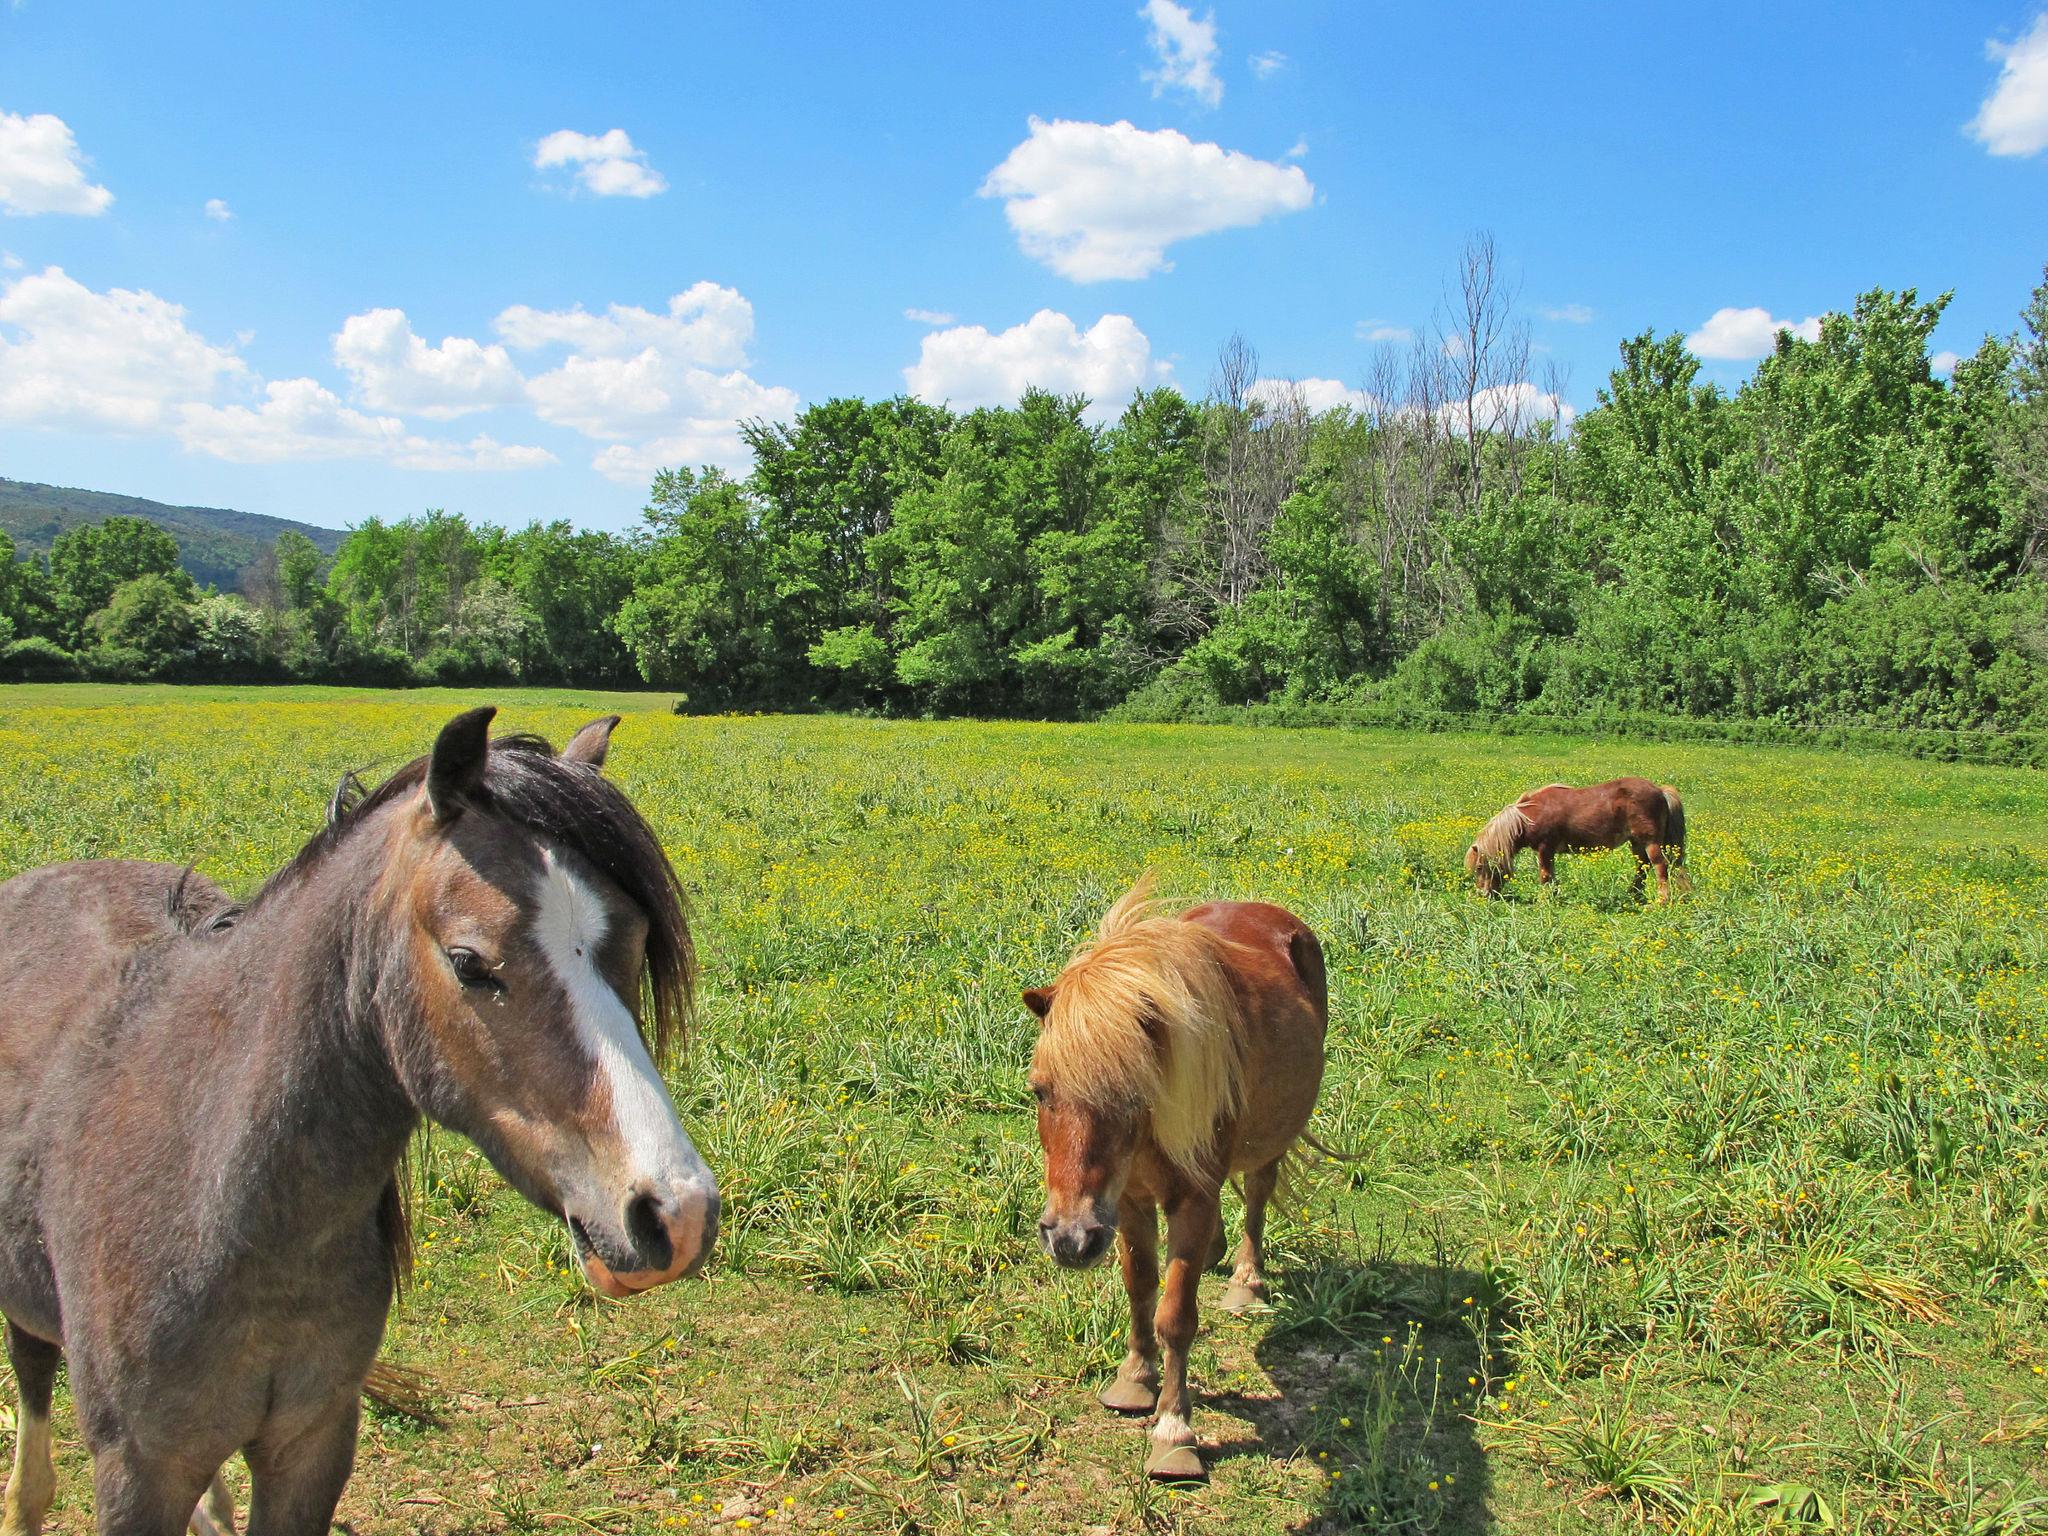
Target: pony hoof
(1239, 1299)
(1176, 1464)
(1122, 1396)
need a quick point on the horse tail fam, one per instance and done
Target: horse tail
(402, 1390)
(1331, 1152)
(1674, 824)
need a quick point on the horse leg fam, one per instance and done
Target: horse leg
(1247, 1284)
(294, 1484)
(134, 1495)
(1642, 865)
(1654, 852)
(1136, 1388)
(34, 1482)
(215, 1513)
(1546, 864)
(1190, 1224)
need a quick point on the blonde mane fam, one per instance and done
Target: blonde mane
(1145, 966)
(1495, 844)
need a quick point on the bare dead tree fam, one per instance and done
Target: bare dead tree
(1484, 357)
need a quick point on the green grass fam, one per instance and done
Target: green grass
(1726, 1217)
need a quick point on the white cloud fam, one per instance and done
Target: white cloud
(970, 366)
(607, 164)
(928, 316)
(9, 262)
(706, 324)
(1268, 64)
(1740, 335)
(217, 209)
(1095, 201)
(301, 420)
(1382, 331)
(1507, 407)
(1186, 49)
(1315, 395)
(41, 170)
(1944, 362)
(119, 360)
(1568, 314)
(1297, 149)
(2013, 119)
(670, 387)
(394, 370)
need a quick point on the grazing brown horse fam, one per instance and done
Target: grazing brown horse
(203, 1109)
(1650, 818)
(1174, 1052)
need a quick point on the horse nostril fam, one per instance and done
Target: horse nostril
(648, 1233)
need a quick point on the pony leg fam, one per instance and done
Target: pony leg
(1654, 852)
(215, 1513)
(134, 1495)
(295, 1484)
(1546, 865)
(1136, 1388)
(1190, 1225)
(1642, 867)
(34, 1482)
(1247, 1285)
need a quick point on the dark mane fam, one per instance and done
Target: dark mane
(568, 804)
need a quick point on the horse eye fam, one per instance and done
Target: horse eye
(1040, 1092)
(471, 970)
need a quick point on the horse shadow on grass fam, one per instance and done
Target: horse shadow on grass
(1377, 1370)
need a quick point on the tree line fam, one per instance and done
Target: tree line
(1846, 537)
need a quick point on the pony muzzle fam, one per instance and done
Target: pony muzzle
(1076, 1242)
(655, 1238)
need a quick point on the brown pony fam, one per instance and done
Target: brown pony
(203, 1108)
(1648, 817)
(1174, 1052)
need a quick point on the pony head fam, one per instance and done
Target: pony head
(530, 922)
(1491, 858)
(1137, 1053)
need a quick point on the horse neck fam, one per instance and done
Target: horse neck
(315, 1117)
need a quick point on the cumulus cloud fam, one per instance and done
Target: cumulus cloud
(1944, 361)
(672, 387)
(41, 169)
(1740, 335)
(118, 361)
(1268, 64)
(607, 164)
(218, 210)
(300, 420)
(2013, 119)
(1383, 331)
(1567, 314)
(1315, 395)
(1186, 51)
(1507, 407)
(928, 316)
(1095, 201)
(969, 365)
(394, 370)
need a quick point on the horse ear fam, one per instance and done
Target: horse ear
(589, 745)
(456, 770)
(1038, 1000)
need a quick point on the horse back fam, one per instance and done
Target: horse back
(1597, 816)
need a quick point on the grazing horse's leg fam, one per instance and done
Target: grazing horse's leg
(294, 1485)
(215, 1514)
(34, 1482)
(1654, 852)
(1247, 1284)
(1546, 867)
(1136, 1388)
(1190, 1224)
(1642, 863)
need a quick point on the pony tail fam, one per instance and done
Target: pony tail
(1674, 824)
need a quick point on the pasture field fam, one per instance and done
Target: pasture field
(1725, 1217)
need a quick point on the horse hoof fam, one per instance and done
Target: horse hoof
(1239, 1299)
(1122, 1396)
(1176, 1464)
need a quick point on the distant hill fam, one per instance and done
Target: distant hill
(214, 544)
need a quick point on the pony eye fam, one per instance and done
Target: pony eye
(472, 971)
(1040, 1092)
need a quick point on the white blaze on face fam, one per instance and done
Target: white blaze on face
(570, 926)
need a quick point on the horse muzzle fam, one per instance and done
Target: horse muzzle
(659, 1236)
(1076, 1244)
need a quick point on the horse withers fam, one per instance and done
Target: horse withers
(1174, 1053)
(203, 1111)
(1650, 818)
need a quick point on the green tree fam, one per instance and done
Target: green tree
(89, 562)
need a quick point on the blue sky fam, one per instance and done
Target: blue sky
(639, 223)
